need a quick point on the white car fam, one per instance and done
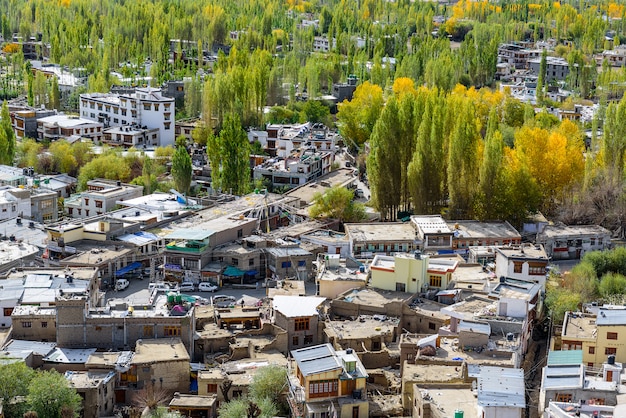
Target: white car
(187, 287)
(207, 287)
(121, 284)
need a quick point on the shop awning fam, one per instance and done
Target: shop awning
(232, 271)
(128, 268)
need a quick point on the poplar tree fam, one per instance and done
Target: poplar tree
(181, 169)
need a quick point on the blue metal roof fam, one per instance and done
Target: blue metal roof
(127, 269)
(565, 357)
(317, 359)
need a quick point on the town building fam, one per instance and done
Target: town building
(345, 91)
(368, 239)
(300, 167)
(131, 136)
(25, 121)
(299, 316)
(97, 390)
(432, 233)
(563, 242)
(615, 57)
(565, 409)
(100, 197)
(467, 234)
(322, 380)
(523, 262)
(68, 127)
(193, 405)
(557, 69)
(146, 107)
(566, 379)
(517, 56)
(289, 262)
(501, 392)
(598, 336)
(334, 277)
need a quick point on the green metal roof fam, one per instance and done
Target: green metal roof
(566, 357)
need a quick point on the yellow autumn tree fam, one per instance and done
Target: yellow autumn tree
(553, 158)
(403, 85)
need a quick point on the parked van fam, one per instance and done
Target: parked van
(121, 284)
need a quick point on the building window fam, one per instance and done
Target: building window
(239, 233)
(432, 326)
(148, 331)
(323, 388)
(147, 106)
(86, 212)
(610, 351)
(592, 350)
(572, 345)
(251, 262)
(295, 340)
(167, 125)
(211, 387)
(308, 339)
(301, 324)
(434, 281)
(98, 203)
(564, 397)
(400, 287)
(171, 331)
(517, 267)
(7, 311)
(44, 324)
(285, 264)
(27, 324)
(611, 335)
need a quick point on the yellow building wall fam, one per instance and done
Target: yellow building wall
(409, 271)
(603, 343)
(346, 410)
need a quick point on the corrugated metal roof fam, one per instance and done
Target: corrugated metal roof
(69, 355)
(317, 359)
(561, 377)
(611, 317)
(287, 251)
(565, 357)
(37, 347)
(475, 327)
(501, 387)
(294, 306)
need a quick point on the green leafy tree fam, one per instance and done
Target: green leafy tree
(356, 118)
(49, 393)
(229, 154)
(27, 153)
(181, 169)
(7, 136)
(269, 383)
(337, 203)
(612, 284)
(15, 379)
(109, 165)
(541, 79)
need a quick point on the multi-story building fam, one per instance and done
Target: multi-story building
(556, 68)
(286, 262)
(52, 128)
(615, 57)
(146, 107)
(522, 262)
(131, 136)
(299, 316)
(572, 241)
(298, 168)
(325, 382)
(25, 122)
(466, 234)
(101, 197)
(432, 233)
(517, 56)
(368, 239)
(97, 390)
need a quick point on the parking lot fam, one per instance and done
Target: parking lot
(137, 285)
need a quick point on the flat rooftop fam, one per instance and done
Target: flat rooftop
(431, 224)
(381, 231)
(148, 351)
(306, 192)
(524, 251)
(478, 229)
(431, 374)
(449, 400)
(449, 350)
(374, 297)
(36, 235)
(364, 327)
(92, 253)
(87, 380)
(577, 325)
(556, 231)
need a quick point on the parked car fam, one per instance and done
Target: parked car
(162, 286)
(359, 193)
(222, 301)
(187, 287)
(207, 287)
(121, 284)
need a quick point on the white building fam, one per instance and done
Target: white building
(101, 197)
(52, 128)
(146, 107)
(523, 262)
(501, 392)
(296, 170)
(132, 136)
